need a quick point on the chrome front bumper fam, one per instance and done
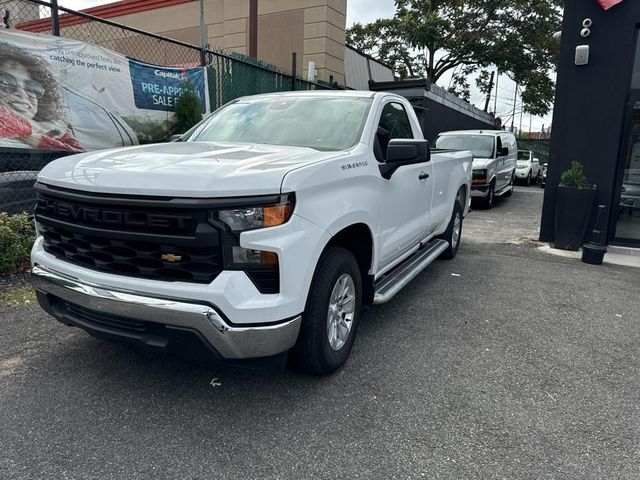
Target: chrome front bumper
(229, 341)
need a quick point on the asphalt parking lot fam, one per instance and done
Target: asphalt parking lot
(502, 363)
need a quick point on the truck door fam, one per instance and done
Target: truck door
(405, 198)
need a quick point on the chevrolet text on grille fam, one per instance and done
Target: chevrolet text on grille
(112, 217)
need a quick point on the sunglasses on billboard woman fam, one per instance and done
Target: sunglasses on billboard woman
(10, 83)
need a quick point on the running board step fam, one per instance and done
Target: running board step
(390, 285)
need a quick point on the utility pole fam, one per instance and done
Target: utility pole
(489, 90)
(513, 117)
(530, 123)
(521, 110)
(294, 70)
(495, 104)
(203, 37)
(253, 28)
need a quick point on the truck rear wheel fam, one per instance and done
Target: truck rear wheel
(331, 318)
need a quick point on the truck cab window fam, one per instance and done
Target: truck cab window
(394, 123)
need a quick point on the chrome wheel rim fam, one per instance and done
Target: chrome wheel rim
(342, 305)
(457, 228)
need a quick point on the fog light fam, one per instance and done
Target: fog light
(247, 256)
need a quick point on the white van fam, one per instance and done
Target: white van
(495, 153)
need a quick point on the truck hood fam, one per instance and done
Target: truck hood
(182, 169)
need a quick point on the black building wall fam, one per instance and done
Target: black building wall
(435, 117)
(438, 118)
(591, 100)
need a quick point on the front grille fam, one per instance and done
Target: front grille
(132, 258)
(156, 242)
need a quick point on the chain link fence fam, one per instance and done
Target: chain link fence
(230, 76)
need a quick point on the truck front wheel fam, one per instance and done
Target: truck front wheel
(331, 318)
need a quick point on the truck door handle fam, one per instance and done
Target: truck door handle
(423, 176)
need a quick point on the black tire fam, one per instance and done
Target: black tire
(488, 201)
(313, 352)
(512, 183)
(448, 235)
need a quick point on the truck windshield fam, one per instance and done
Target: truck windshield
(523, 155)
(319, 122)
(481, 146)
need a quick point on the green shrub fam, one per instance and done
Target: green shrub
(573, 177)
(188, 109)
(17, 235)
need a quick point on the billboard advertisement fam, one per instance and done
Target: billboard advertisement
(65, 95)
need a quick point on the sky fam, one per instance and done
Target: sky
(365, 11)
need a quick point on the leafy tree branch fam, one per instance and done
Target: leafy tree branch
(428, 38)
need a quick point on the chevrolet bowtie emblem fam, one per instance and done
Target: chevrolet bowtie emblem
(170, 257)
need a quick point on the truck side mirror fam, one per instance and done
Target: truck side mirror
(402, 151)
(504, 151)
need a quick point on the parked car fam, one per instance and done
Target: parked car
(528, 168)
(494, 160)
(630, 197)
(543, 175)
(263, 229)
(91, 117)
(16, 191)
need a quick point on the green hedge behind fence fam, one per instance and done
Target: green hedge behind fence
(17, 235)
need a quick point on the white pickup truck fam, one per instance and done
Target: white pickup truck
(260, 233)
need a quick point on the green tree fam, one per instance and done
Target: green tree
(188, 109)
(427, 38)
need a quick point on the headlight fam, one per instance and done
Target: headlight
(252, 218)
(479, 176)
(233, 221)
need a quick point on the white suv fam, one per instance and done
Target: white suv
(528, 168)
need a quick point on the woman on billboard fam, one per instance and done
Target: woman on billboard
(31, 110)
